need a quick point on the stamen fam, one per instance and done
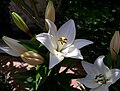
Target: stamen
(100, 79)
(63, 40)
(99, 76)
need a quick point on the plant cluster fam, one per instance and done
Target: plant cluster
(54, 49)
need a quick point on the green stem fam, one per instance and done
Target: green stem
(18, 3)
(59, 4)
(32, 2)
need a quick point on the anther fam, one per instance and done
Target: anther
(63, 40)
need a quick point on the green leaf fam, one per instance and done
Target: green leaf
(118, 61)
(26, 73)
(38, 77)
(114, 88)
(42, 73)
(30, 45)
(108, 60)
(66, 82)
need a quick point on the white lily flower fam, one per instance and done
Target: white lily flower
(13, 48)
(62, 43)
(99, 76)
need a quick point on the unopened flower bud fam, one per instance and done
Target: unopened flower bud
(20, 23)
(32, 58)
(115, 45)
(13, 47)
(50, 12)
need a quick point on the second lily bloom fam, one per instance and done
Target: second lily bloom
(62, 43)
(99, 77)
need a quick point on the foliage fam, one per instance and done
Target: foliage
(95, 20)
(4, 85)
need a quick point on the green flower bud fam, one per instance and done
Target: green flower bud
(20, 23)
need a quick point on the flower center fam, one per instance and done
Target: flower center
(100, 79)
(62, 40)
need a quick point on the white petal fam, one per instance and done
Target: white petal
(68, 31)
(88, 81)
(89, 68)
(45, 40)
(11, 52)
(115, 75)
(72, 52)
(14, 45)
(53, 41)
(101, 88)
(52, 32)
(52, 27)
(55, 59)
(101, 66)
(79, 43)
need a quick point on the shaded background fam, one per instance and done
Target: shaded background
(8, 27)
(5, 27)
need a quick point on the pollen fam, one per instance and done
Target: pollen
(63, 40)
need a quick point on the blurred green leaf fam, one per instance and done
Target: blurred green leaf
(108, 61)
(30, 45)
(118, 61)
(26, 73)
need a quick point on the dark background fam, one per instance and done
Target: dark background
(5, 27)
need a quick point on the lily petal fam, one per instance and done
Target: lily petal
(88, 81)
(52, 27)
(14, 45)
(101, 88)
(45, 40)
(115, 75)
(11, 52)
(55, 59)
(101, 66)
(52, 32)
(68, 31)
(72, 52)
(89, 68)
(79, 43)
